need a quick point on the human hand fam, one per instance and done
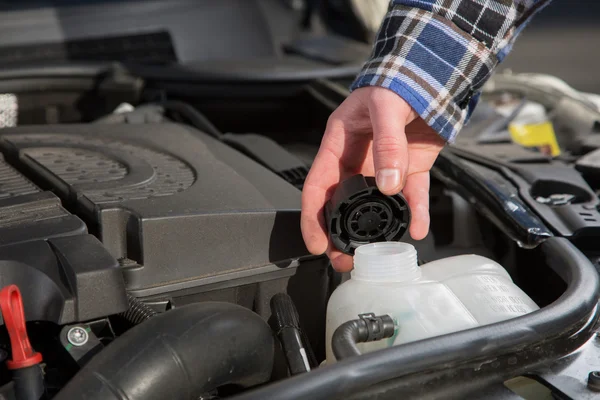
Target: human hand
(374, 132)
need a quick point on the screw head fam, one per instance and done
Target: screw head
(77, 336)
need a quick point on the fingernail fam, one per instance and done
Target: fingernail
(388, 180)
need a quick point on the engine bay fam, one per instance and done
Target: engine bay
(159, 219)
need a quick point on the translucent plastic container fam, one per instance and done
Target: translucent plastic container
(440, 297)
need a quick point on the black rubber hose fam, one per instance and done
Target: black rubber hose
(577, 304)
(195, 117)
(29, 383)
(368, 328)
(179, 355)
(138, 311)
(286, 325)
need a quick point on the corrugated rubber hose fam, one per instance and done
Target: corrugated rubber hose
(138, 311)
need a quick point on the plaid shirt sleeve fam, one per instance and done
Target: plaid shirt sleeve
(437, 54)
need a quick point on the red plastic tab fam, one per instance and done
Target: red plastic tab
(13, 314)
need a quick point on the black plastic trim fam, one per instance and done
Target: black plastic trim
(577, 217)
(494, 196)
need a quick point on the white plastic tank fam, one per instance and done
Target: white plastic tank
(439, 297)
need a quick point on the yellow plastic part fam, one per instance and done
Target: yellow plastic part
(540, 135)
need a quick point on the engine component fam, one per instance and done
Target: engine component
(286, 324)
(367, 328)
(138, 311)
(180, 354)
(573, 114)
(446, 356)
(28, 214)
(594, 381)
(358, 213)
(25, 363)
(169, 203)
(66, 275)
(80, 342)
(64, 279)
(270, 154)
(462, 292)
(191, 114)
(558, 194)
(496, 196)
(172, 215)
(9, 110)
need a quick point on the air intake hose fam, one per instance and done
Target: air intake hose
(179, 355)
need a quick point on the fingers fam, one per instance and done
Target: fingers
(341, 262)
(346, 150)
(389, 115)
(312, 220)
(314, 197)
(341, 153)
(416, 192)
(323, 176)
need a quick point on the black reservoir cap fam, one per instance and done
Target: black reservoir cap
(358, 213)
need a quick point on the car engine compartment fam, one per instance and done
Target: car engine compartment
(149, 221)
(140, 223)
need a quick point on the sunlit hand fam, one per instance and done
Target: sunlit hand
(374, 132)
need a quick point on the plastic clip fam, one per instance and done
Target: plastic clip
(375, 326)
(11, 305)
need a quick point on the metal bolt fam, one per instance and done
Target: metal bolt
(77, 336)
(594, 381)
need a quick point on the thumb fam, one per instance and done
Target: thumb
(389, 115)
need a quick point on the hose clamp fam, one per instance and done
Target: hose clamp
(375, 326)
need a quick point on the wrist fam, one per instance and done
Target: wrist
(433, 65)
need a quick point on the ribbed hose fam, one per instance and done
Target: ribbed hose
(138, 311)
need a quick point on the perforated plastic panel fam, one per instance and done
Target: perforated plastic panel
(180, 209)
(84, 160)
(12, 183)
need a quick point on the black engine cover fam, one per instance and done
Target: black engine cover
(64, 274)
(177, 208)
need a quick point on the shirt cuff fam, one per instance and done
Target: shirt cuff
(432, 64)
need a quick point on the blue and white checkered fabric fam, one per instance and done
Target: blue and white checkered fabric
(437, 54)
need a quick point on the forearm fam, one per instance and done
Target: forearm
(437, 54)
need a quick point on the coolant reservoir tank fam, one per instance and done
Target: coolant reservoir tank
(437, 298)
